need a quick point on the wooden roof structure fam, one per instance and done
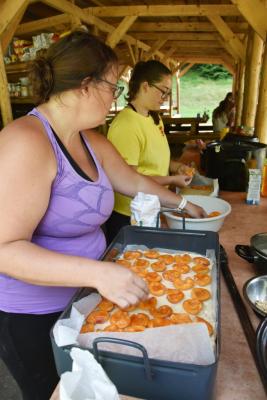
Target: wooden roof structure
(180, 33)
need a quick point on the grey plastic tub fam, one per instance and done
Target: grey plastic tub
(140, 376)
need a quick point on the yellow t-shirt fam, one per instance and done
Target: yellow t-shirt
(141, 143)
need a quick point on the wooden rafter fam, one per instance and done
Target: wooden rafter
(131, 52)
(188, 36)
(115, 36)
(44, 23)
(164, 10)
(237, 27)
(156, 46)
(229, 36)
(9, 10)
(67, 7)
(184, 70)
(255, 12)
(11, 29)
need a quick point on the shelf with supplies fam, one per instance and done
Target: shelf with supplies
(18, 68)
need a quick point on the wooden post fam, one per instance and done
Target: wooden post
(5, 104)
(178, 91)
(261, 116)
(252, 88)
(240, 94)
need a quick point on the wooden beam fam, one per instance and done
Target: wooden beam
(183, 36)
(115, 36)
(185, 70)
(229, 49)
(240, 93)
(164, 10)
(255, 12)
(67, 7)
(131, 53)
(261, 115)
(43, 24)
(9, 10)
(156, 46)
(237, 27)
(9, 32)
(5, 105)
(253, 68)
(229, 36)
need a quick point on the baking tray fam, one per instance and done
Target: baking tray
(140, 376)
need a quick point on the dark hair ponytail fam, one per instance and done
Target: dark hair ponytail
(150, 71)
(68, 62)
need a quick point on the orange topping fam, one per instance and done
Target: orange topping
(183, 284)
(162, 312)
(166, 258)
(153, 277)
(192, 306)
(209, 326)
(180, 318)
(148, 304)
(170, 275)
(87, 328)
(157, 289)
(158, 322)
(139, 319)
(201, 268)
(214, 214)
(151, 254)
(202, 279)
(183, 258)
(125, 263)
(141, 262)
(98, 317)
(105, 305)
(201, 260)
(132, 255)
(134, 328)
(181, 268)
(200, 294)
(120, 318)
(158, 266)
(175, 297)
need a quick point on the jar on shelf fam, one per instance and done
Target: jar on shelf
(264, 179)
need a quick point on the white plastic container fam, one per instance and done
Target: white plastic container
(209, 204)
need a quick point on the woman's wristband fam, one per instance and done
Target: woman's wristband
(182, 204)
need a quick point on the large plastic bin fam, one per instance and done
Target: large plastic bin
(141, 376)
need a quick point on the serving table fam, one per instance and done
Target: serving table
(238, 377)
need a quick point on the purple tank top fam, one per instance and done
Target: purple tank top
(71, 225)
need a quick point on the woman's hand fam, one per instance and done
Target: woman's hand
(181, 180)
(195, 211)
(120, 285)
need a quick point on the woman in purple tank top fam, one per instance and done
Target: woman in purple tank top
(57, 181)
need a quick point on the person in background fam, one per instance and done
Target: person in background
(51, 239)
(138, 134)
(224, 115)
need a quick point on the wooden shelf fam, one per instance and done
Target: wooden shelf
(17, 68)
(21, 100)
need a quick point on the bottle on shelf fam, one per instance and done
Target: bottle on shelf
(264, 179)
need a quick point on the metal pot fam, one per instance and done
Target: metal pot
(256, 253)
(256, 289)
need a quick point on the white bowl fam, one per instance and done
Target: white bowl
(202, 224)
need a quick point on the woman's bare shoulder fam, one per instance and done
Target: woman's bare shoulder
(28, 132)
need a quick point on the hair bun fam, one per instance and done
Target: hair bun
(42, 78)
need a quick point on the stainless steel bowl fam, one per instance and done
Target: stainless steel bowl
(255, 289)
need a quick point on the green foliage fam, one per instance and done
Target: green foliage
(211, 71)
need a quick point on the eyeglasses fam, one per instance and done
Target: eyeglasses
(116, 89)
(164, 93)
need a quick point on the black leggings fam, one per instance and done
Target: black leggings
(27, 352)
(114, 224)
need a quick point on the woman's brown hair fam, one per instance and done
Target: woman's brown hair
(68, 62)
(151, 71)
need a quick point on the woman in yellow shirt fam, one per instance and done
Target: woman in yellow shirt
(138, 134)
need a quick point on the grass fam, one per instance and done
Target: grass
(198, 94)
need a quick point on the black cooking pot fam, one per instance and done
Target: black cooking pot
(226, 160)
(256, 253)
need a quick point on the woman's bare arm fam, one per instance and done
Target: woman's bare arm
(27, 170)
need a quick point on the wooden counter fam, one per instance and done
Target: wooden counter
(237, 374)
